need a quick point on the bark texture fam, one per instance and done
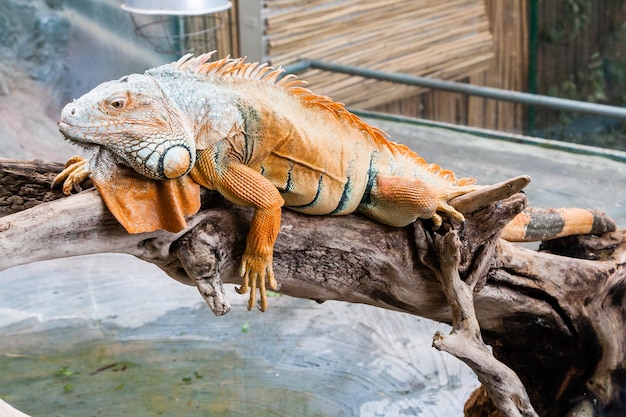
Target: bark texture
(554, 318)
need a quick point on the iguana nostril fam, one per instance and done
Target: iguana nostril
(68, 111)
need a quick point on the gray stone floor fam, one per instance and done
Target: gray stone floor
(109, 335)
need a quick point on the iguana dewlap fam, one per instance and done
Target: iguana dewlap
(234, 127)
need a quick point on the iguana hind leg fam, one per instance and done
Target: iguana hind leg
(399, 201)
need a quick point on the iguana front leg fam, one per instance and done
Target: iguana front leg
(76, 171)
(245, 186)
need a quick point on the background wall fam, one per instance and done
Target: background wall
(52, 51)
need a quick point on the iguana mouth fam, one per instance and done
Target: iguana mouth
(64, 127)
(69, 132)
(70, 129)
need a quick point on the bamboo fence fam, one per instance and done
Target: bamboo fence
(508, 70)
(446, 40)
(210, 32)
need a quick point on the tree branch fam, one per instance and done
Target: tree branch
(465, 341)
(556, 321)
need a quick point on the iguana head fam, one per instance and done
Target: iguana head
(133, 119)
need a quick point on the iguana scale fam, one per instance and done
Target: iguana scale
(260, 141)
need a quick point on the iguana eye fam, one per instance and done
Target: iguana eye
(118, 103)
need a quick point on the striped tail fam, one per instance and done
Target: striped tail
(534, 225)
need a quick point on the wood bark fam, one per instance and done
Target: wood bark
(554, 318)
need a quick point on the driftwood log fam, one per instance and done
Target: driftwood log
(554, 318)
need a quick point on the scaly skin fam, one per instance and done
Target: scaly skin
(232, 127)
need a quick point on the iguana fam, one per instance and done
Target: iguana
(260, 141)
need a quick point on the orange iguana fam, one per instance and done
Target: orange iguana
(234, 127)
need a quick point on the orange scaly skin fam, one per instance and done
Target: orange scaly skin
(231, 126)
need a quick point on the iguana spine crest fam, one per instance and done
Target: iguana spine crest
(237, 68)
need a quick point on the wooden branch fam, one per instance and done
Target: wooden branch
(26, 184)
(555, 320)
(465, 341)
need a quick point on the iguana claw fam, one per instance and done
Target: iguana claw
(76, 171)
(255, 272)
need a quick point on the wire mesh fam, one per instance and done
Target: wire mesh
(178, 35)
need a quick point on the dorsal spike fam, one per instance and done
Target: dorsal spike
(263, 71)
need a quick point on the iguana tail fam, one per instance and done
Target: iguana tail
(534, 225)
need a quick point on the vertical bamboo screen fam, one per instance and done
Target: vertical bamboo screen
(441, 39)
(508, 69)
(210, 32)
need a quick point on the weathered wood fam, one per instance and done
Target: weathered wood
(26, 184)
(556, 321)
(465, 341)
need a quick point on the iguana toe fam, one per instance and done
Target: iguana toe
(256, 272)
(72, 176)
